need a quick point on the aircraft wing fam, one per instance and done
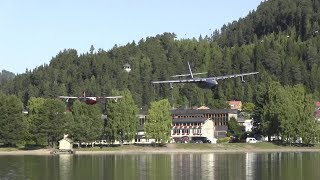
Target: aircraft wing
(106, 97)
(232, 76)
(69, 97)
(179, 81)
(115, 98)
(193, 80)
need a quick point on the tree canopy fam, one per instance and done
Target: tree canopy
(46, 120)
(86, 123)
(122, 122)
(288, 112)
(12, 123)
(158, 124)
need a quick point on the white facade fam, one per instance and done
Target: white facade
(248, 124)
(204, 129)
(141, 139)
(234, 115)
(207, 130)
(65, 144)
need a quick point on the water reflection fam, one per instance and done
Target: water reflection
(216, 166)
(65, 166)
(250, 165)
(192, 166)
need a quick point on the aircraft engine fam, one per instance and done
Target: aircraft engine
(242, 79)
(211, 83)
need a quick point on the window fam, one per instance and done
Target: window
(176, 131)
(185, 131)
(197, 131)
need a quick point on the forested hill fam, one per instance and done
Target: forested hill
(274, 16)
(280, 40)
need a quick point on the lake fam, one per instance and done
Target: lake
(283, 165)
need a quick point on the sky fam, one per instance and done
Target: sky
(34, 31)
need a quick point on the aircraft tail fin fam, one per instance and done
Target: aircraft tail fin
(184, 75)
(190, 70)
(190, 75)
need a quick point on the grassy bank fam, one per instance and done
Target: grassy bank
(244, 146)
(236, 146)
(110, 148)
(8, 149)
(188, 147)
(192, 146)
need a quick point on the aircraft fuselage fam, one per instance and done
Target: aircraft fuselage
(207, 84)
(90, 101)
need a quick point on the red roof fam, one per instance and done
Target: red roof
(237, 103)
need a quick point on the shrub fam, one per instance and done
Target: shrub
(223, 140)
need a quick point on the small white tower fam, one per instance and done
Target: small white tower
(127, 67)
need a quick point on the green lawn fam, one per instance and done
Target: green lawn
(114, 148)
(8, 149)
(238, 146)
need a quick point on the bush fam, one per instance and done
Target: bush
(223, 140)
(160, 144)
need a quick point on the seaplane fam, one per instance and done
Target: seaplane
(89, 99)
(206, 83)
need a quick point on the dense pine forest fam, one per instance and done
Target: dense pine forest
(280, 39)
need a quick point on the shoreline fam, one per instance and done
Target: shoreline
(191, 151)
(164, 150)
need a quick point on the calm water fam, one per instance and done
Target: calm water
(284, 166)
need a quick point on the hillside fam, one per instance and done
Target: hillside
(280, 40)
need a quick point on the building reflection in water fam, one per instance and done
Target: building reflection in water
(262, 166)
(251, 159)
(214, 166)
(65, 166)
(142, 165)
(192, 166)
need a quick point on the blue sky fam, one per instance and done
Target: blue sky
(34, 31)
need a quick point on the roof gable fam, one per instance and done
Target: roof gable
(66, 139)
(189, 120)
(202, 111)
